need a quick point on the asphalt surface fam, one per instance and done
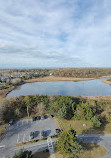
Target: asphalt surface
(20, 132)
(101, 139)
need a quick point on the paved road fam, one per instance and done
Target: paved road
(36, 147)
(101, 139)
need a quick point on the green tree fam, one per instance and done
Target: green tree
(68, 144)
(95, 121)
(23, 154)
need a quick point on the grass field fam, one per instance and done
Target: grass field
(80, 129)
(89, 151)
(41, 155)
(2, 128)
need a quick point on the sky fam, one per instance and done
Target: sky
(55, 33)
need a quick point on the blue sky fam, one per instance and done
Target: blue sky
(55, 33)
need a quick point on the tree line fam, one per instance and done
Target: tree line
(65, 107)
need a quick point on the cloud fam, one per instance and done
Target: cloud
(49, 33)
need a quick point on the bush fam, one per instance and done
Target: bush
(23, 154)
(95, 121)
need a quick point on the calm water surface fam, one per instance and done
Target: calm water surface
(70, 88)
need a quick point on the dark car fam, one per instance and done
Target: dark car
(38, 117)
(58, 131)
(34, 118)
(44, 133)
(31, 135)
(45, 116)
(51, 116)
(11, 122)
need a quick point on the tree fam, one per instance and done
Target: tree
(23, 154)
(95, 121)
(41, 108)
(30, 102)
(6, 111)
(68, 144)
(16, 81)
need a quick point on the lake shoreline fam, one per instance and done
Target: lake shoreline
(49, 79)
(107, 82)
(53, 78)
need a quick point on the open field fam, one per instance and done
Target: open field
(93, 151)
(80, 129)
(89, 151)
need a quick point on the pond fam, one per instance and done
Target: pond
(81, 88)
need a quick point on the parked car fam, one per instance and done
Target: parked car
(42, 117)
(45, 116)
(32, 135)
(51, 116)
(34, 118)
(58, 131)
(44, 133)
(11, 122)
(38, 117)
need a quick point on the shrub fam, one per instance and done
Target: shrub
(95, 121)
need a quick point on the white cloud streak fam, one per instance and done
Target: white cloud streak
(57, 33)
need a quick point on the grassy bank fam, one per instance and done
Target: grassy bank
(89, 151)
(107, 82)
(2, 129)
(58, 78)
(4, 92)
(54, 78)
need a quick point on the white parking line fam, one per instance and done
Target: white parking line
(24, 138)
(18, 123)
(40, 135)
(18, 139)
(3, 146)
(29, 138)
(27, 121)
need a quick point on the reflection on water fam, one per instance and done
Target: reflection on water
(70, 88)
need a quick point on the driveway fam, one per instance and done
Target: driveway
(101, 139)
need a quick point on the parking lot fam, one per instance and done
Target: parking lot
(20, 131)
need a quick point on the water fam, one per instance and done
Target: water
(81, 88)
